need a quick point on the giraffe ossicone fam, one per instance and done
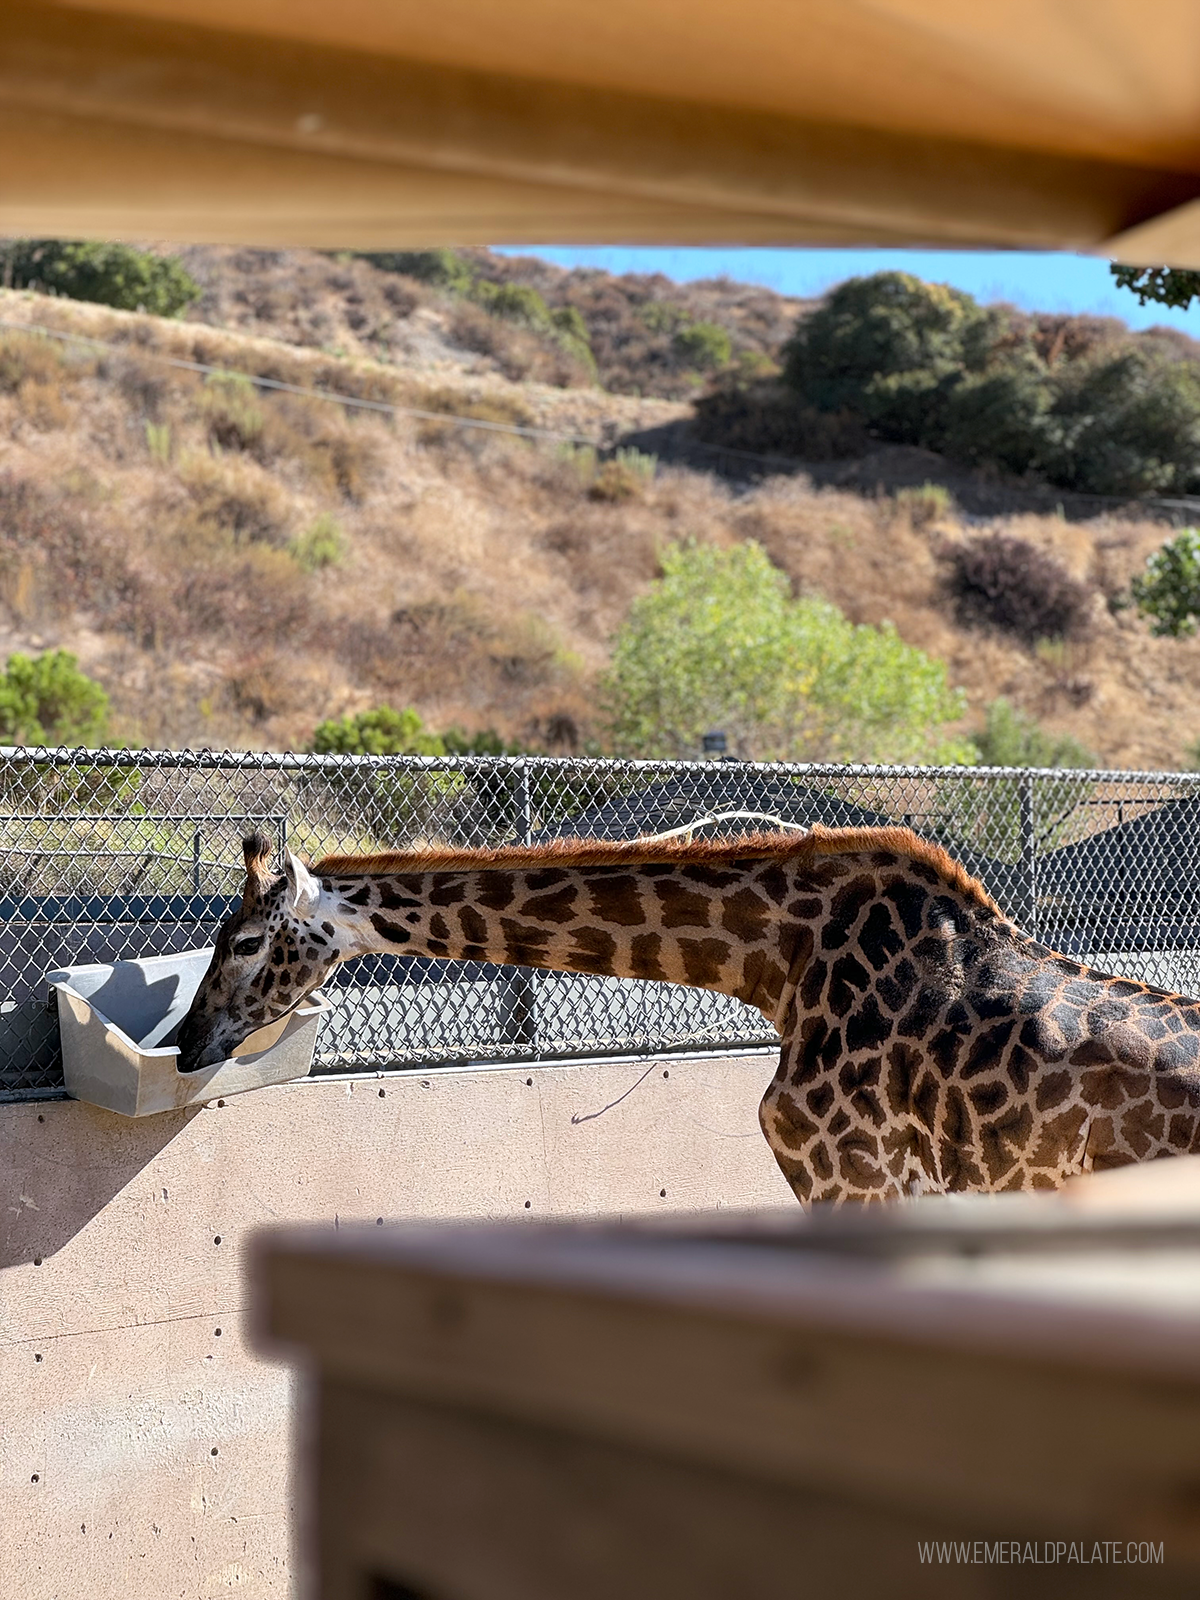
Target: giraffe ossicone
(928, 1044)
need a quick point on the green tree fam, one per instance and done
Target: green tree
(1168, 592)
(718, 642)
(923, 364)
(110, 274)
(890, 348)
(381, 732)
(1000, 415)
(1166, 286)
(1012, 738)
(46, 700)
(1127, 423)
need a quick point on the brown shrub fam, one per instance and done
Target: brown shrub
(28, 357)
(439, 646)
(1008, 584)
(238, 498)
(520, 354)
(339, 454)
(623, 478)
(45, 406)
(261, 688)
(146, 384)
(401, 294)
(359, 382)
(232, 413)
(501, 409)
(63, 557)
(257, 598)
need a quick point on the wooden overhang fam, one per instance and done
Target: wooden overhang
(386, 123)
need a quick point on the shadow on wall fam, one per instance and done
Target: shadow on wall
(61, 1169)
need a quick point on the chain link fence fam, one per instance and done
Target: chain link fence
(111, 855)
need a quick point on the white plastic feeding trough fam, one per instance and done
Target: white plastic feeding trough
(115, 1020)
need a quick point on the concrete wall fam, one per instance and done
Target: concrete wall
(144, 1451)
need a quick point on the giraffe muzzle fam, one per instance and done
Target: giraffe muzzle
(204, 1044)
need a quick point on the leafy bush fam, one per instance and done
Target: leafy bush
(444, 269)
(1006, 583)
(571, 333)
(110, 274)
(518, 302)
(1011, 738)
(703, 345)
(718, 642)
(381, 732)
(1168, 592)
(46, 700)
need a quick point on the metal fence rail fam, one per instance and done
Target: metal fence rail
(112, 854)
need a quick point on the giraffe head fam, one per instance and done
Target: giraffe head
(270, 953)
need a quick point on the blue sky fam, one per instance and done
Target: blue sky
(1031, 280)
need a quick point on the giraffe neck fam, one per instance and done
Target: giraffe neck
(713, 926)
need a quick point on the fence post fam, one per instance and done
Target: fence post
(522, 1019)
(1028, 918)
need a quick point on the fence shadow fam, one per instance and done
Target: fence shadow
(63, 1162)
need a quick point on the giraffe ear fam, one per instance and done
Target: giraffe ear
(304, 891)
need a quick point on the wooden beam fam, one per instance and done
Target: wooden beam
(131, 126)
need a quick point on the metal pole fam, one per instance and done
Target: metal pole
(1028, 916)
(522, 1019)
(196, 860)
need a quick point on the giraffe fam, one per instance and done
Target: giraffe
(928, 1044)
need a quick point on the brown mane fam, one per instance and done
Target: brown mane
(819, 841)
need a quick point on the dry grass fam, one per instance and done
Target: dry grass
(347, 307)
(149, 519)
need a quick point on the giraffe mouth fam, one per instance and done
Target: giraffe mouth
(212, 1055)
(197, 1051)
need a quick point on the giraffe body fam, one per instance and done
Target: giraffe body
(928, 1044)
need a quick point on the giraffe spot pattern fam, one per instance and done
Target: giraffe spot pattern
(925, 1039)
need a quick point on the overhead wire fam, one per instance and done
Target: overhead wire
(389, 407)
(561, 436)
(278, 385)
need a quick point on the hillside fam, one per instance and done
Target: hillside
(637, 326)
(235, 567)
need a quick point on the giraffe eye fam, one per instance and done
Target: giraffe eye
(248, 946)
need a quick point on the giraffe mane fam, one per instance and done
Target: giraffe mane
(819, 841)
